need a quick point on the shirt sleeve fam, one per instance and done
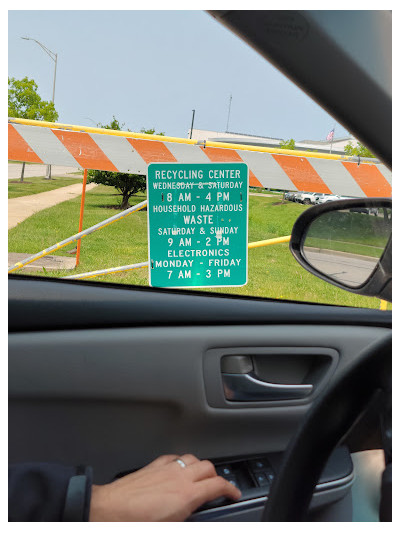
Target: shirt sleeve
(37, 492)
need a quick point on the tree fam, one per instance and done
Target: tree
(24, 101)
(359, 150)
(126, 184)
(288, 145)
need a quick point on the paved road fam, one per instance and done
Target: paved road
(351, 269)
(25, 206)
(14, 170)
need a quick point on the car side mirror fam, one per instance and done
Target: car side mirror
(348, 243)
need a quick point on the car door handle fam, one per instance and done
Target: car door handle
(247, 387)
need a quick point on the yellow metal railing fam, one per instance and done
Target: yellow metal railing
(277, 240)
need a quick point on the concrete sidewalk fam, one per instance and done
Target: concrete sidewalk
(25, 206)
(50, 262)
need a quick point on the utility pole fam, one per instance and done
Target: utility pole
(53, 56)
(229, 113)
(191, 127)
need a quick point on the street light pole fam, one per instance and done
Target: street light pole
(191, 127)
(54, 81)
(53, 56)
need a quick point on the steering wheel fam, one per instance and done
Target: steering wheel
(328, 420)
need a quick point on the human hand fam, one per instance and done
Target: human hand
(162, 491)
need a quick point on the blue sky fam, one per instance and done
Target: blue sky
(151, 68)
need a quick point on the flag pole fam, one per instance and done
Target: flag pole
(333, 134)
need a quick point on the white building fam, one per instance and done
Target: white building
(325, 146)
(272, 142)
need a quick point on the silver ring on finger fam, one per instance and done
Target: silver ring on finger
(180, 463)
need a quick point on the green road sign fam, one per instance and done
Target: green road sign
(197, 224)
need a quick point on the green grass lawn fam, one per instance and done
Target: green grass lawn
(273, 272)
(38, 184)
(20, 162)
(346, 247)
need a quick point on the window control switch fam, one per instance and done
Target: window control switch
(224, 470)
(233, 480)
(259, 464)
(262, 479)
(270, 475)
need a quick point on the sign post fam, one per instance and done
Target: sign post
(197, 224)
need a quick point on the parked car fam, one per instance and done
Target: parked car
(327, 198)
(308, 197)
(366, 210)
(314, 199)
(297, 196)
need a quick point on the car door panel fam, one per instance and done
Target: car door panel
(126, 395)
(117, 397)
